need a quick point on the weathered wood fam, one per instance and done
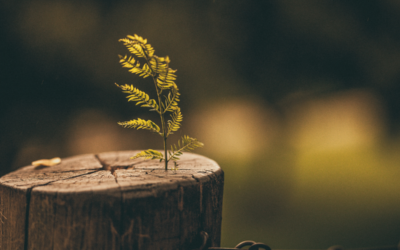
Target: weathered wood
(108, 201)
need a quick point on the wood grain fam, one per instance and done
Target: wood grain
(107, 201)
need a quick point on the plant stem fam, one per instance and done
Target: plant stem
(165, 152)
(164, 129)
(163, 124)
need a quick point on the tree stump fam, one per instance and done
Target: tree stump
(107, 201)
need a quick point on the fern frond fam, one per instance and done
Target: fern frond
(175, 123)
(137, 38)
(188, 144)
(171, 101)
(167, 93)
(159, 64)
(141, 124)
(128, 62)
(140, 97)
(134, 66)
(165, 80)
(134, 47)
(149, 154)
(138, 46)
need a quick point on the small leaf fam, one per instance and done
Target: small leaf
(188, 144)
(138, 46)
(171, 102)
(175, 123)
(139, 97)
(141, 124)
(165, 80)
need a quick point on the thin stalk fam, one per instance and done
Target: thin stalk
(165, 152)
(163, 125)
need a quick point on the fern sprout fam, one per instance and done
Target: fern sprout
(166, 104)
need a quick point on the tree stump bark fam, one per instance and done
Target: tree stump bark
(107, 201)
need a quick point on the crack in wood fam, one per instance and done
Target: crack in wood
(75, 170)
(68, 178)
(102, 163)
(28, 200)
(105, 166)
(2, 216)
(112, 168)
(197, 179)
(127, 233)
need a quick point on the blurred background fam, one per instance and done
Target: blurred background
(298, 101)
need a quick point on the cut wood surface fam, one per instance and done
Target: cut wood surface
(107, 201)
